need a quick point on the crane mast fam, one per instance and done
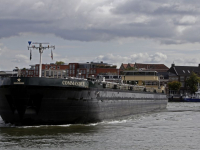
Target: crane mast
(41, 49)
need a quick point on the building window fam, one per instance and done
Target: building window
(54, 67)
(46, 67)
(42, 73)
(182, 84)
(47, 73)
(55, 74)
(59, 74)
(182, 78)
(36, 68)
(58, 67)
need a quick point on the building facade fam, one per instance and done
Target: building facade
(161, 69)
(181, 74)
(149, 79)
(79, 70)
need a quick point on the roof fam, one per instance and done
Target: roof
(156, 67)
(164, 74)
(131, 65)
(123, 66)
(184, 70)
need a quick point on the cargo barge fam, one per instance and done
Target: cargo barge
(33, 100)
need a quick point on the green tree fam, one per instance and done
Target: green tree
(192, 82)
(174, 85)
(59, 63)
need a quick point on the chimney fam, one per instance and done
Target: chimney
(173, 65)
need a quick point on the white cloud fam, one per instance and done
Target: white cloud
(188, 20)
(38, 5)
(21, 59)
(158, 57)
(139, 58)
(3, 49)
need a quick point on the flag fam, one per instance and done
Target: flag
(51, 55)
(29, 42)
(30, 54)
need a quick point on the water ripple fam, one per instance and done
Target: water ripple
(175, 128)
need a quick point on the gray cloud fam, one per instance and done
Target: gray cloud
(166, 21)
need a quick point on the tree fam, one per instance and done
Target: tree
(192, 82)
(59, 63)
(174, 85)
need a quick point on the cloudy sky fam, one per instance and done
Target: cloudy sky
(113, 31)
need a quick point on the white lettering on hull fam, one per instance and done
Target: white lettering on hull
(74, 83)
(18, 82)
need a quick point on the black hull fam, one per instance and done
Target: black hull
(30, 105)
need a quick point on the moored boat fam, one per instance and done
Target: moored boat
(194, 98)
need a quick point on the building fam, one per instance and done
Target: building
(152, 67)
(149, 79)
(123, 66)
(161, 69)
(92, 69)
(51, 70)
(181, 73)
(79, 70)
(109, 77)
(48, 70)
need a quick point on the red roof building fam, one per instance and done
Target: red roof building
(123, 66)
(152, 67)
(80, 70)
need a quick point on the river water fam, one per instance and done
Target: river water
(176, 128)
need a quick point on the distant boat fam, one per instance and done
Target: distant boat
(195, 98)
